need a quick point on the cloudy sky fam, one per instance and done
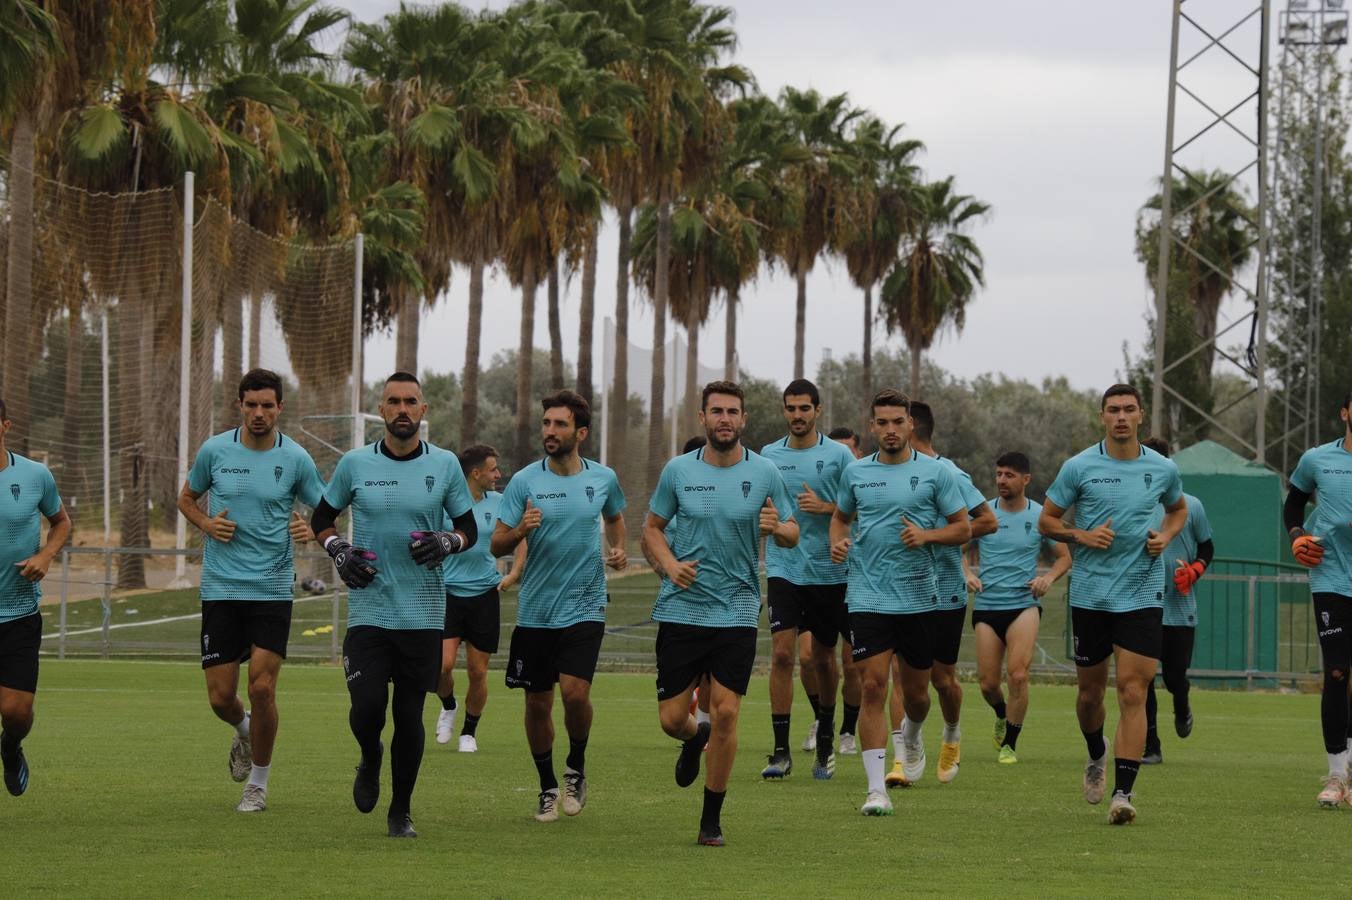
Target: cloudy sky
(1052, 111)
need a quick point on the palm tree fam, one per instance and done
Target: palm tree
(938, 272)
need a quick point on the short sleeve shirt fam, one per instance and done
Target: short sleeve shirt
(948, 578)
(1009, 558)
(818, 467)
(475, 571)
(27, 495)
(1326, 471)
(1181, 609)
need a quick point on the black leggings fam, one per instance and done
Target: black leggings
(1175, 657)
(367, 719)
(1333, 620)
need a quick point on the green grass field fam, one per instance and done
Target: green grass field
(130, 796)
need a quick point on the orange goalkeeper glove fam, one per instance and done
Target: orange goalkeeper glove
(1187, 574)
(1307, 550)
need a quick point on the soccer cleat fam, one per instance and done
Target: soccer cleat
(1334, 792)
(1153, 756)
(241, 758)
(848, 745)
(574, 792)
(1007, 756)
(400, 826)
(255, 799)
(713, 837)
(877, 803)
(548, 809)
(445, 726)
(1183, 726)
(1001, 725)
(1094, 780)
(912, 763)
(366, 786)
(468, 744)
(950, 757)
(16, 772)
(810, 742)
(780, 765)
(825, 765)
(894, 778)
(687, 762)
(1120, 810)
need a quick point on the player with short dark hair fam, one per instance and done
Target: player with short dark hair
(473, 604)
(558, 503)
(401, 490)
(1117, 594)
(1009, 592)
(253, 475)
(28, 494)
(904, 502)
(1322, 542)
(719, 501)
(847, 437)
(806, 589)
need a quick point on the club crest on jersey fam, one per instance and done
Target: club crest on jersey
(1148, 478)
(821, 464)
(15, 491)
(488, 518)
(430, 481)
(591, 493)
(746, 489)
(1027, 527)
(915, 482)
(277, 473)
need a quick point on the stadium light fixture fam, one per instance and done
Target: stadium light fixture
(1335, 31)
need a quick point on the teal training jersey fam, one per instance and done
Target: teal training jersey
(1124, 577)
(259, 489)
(819, 467)
(391, 498)
(1181, 609)
(27, 493)
(1326, 471)
(475, 571)
(714, 516)
(948, 578)
(564, 581)
(1009, 558)
(886, 576)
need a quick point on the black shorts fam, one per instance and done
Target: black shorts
(999, 620)
(1096, 632)
(818, 608)
(920, 639)
(538, 656)
(20, 640)
(685, 653)
(381, 655)
(474, 619)
(232, 628)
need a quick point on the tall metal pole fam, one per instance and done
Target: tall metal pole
(184, 373)
(107, 439)
(1316, 235)
(358, 432)
(1260, 425)
(1165, 235)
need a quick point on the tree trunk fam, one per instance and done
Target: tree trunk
(132, 357)
(255, 328)
(916, 352)
(619, 391)
(232, 352)
(800, 324)
(469, 397)
(657, 456)
(555, 329)
(20, 350)
(868, 354)
(524, 354)
(588, 315)
(690, 403)
(406, 338)
(72, 472)
(730, 339)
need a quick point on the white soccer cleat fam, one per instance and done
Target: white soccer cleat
(810, 742)
(255, 799)
(574, 792)
(548, 808)
(445, 726)
(1095, 777)
(1334, 792)
(848, 745)
(468, 744)
(877, 803)
(913, 763)
(241, 758)
(1120, 810)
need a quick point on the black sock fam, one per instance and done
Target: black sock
(1125, 777)
(826, 724)
(780, 724)
(577, 755)
(850, 720)
(701, 737)
(8, 742)
(1152, 707)
(709, 820)
(544, 764)
(1182, 709)
(1000, 709)
(448, 702)
(406, 746)
(1012, 734)
(471, 723)
(816, 704)
(1093, 741)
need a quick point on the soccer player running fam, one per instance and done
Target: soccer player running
(253, 476)
(1009, 592)
(1323, 543)
(473, 604)
(847, 437)
(1117, 594)
(27, 495)
(719, 501)
(945, 635)
(806, 589)
(1190, 554)
(558, 504)
(906, 504)
(401, 490)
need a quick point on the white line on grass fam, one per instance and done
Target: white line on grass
(197, 615)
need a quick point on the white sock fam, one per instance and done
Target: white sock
(1349, 742)
(1338, 764)
(896, 744)
(242, 727)
(874, 763)
(258, 775)
(910, 731)
(701, 716)
(952, 733)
